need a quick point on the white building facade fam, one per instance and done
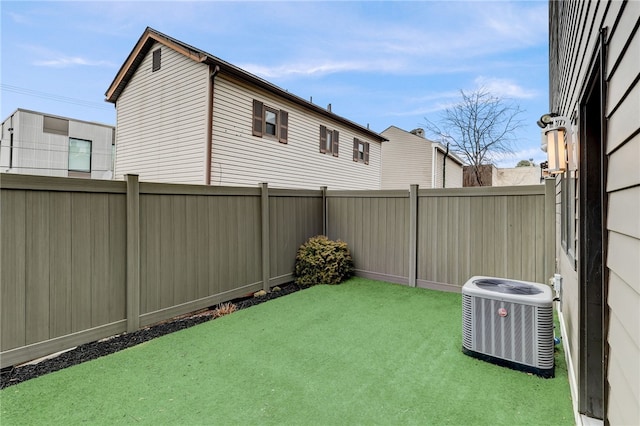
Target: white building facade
(36, 143)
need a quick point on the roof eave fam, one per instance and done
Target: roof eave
(150, 36)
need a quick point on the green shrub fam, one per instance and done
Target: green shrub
(323, 261)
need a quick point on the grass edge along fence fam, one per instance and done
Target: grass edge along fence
(83, 260)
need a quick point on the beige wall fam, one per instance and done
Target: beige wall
(453, 174)
(517, 176)
(574, 38)
(406, 160)
(161, 121)
(241, 159)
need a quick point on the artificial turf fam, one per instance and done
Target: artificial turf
(363, 352)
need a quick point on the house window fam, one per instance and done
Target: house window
(329, 141)
(79, 155)
(156, 60)
(270, 122)
(57, 126)
(360, 151)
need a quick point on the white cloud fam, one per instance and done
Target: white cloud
(54, 59)
(18, 18)
(67, 61)
(504, 88)
(309, 69)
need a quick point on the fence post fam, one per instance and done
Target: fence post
(413, 234)
(133, 253)
(264, 202)
(549, 228)
(324, 210)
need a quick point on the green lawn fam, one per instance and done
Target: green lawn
(364, 352)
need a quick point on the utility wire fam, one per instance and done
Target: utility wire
(58, 98)
(46, 147)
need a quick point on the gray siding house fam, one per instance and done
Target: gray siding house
(36, 143)
(186, 116)
(595, 83)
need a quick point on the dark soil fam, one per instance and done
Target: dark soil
(88, 351)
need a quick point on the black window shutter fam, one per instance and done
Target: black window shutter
(366, 153)
(284, 126)
(355, 149)
(257, 118)
(323, 138)
(156, 60)
(334, 148)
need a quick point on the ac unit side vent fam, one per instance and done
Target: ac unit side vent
(509, 329)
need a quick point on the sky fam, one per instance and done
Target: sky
(383, 63)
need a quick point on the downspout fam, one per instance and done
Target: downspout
(434, 159)
(11, 144)
(444, 167)
(207, 171)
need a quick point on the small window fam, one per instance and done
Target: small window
(57, 126)
(79, 155)
(156, 60)
(329, 141)
(360, 151)
(270, 122)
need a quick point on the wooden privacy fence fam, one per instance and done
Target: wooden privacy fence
(86, 259)
(439, 238)
(82, 260)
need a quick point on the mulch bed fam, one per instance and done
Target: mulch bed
(88, 351)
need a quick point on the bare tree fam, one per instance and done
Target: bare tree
(480, 128)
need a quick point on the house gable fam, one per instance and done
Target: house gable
(406, 160)
(167, 100)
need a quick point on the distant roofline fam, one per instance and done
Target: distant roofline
(95, 123)
(150, 36)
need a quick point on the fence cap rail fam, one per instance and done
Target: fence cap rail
(61, 184)
(280, 192)
(483, 191)
(184, 189)
(384, 193)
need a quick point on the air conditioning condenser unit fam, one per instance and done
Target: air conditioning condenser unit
(509, 323)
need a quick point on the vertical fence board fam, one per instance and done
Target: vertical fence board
(201, 237)
(117, 259)
(215, 253)
(222, 243)
(150, 249)
(167, 237)
(37, 273)
(13, 266)
(182, 274)
(501, 235)
(60, 265)
(100, 273)
(81, 293)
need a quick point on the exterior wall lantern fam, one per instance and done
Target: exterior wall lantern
(557, 141)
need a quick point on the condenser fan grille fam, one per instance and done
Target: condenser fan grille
(506, 287)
